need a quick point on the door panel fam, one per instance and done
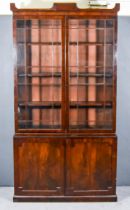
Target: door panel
(90, 165)
(40, 165)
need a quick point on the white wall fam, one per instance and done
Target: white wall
(5, 4)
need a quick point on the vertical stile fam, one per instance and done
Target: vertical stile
(35, 69)
(67, 69)
(104, 79)
(63, 74)
(92, 70)
(77, 67)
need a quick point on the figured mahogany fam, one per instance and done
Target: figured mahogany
(65, 144)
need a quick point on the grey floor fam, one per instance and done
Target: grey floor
(123, 203)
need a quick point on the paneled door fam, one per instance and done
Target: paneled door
(41, 166)
(90, 165)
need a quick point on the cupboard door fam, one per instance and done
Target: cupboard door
(90, 166)
(40, 73)
(39, 166)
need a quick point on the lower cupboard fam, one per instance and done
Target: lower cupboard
(80, 168)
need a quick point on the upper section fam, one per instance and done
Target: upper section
(66, 8)
(65, 69)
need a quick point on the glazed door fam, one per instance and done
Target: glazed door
(91, 72)
(52, 87)
(90, 166)
(40, 74)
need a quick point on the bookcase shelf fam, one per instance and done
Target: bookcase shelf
(58, 74)
(70, 43)
(72, 104)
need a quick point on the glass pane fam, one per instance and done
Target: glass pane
(35, 117)
(90, 73)
(91, 118)
(20, 55)
(20, 38)
(39, 73)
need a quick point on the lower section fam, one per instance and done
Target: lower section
(65, 169)
(65, 198)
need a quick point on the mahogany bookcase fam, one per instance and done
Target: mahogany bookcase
(65, 144)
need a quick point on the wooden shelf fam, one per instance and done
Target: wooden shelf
(42, 74)
(90, 74)
(59, 104)
(70, 43)
(90, 104)
(59, 74)
(97, 126)
(87, 29)
(88, 84)
(40, 43)
(71, 26)
(60, 67)
(39, 85)
(30, 124)
(90, 43)
(41, 104)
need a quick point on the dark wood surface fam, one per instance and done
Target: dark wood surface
(40, 164)
(102, 198)
(65, 164)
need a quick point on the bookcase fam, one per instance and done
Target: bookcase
(65, 144)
